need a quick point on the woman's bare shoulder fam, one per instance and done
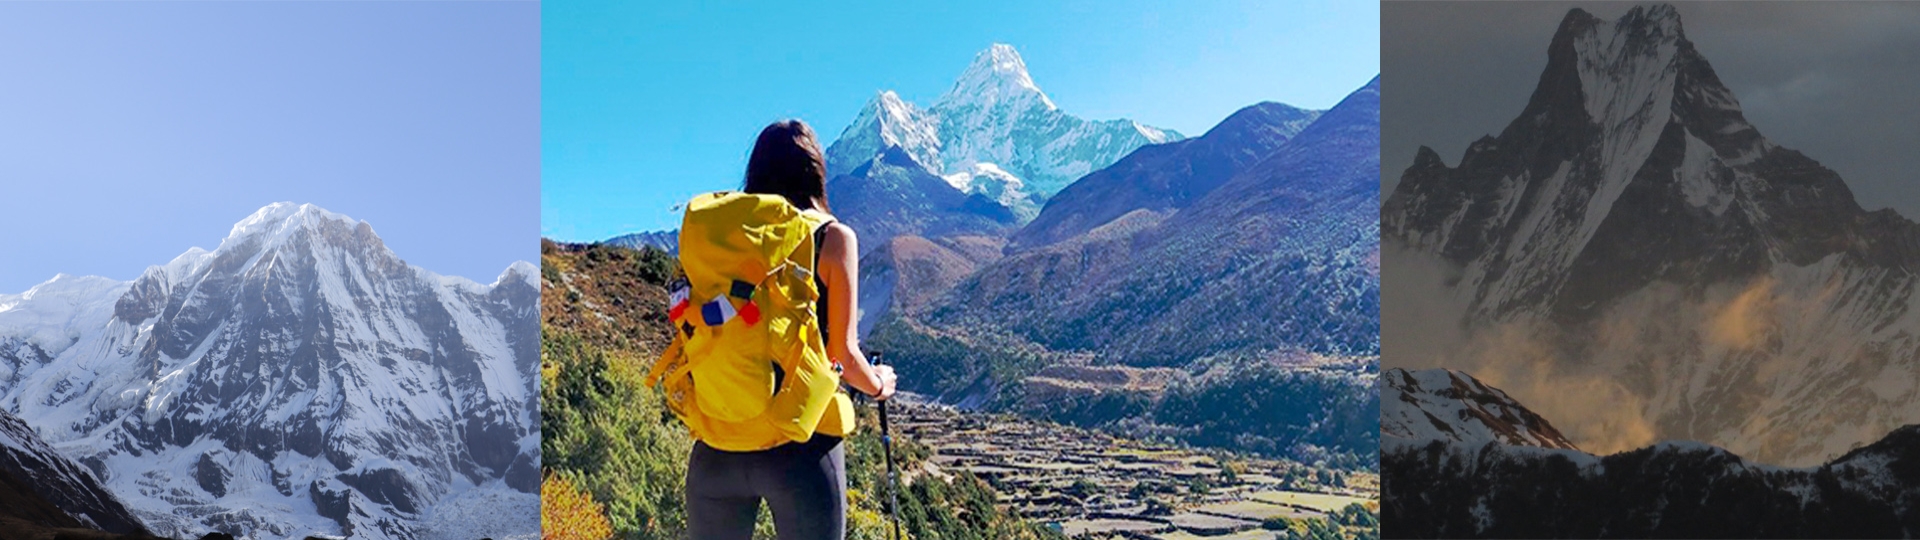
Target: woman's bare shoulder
(838, 237)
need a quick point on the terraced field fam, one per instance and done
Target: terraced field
(1092, 485)
(1316, 501)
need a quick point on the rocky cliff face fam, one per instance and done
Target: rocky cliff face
(46, 488)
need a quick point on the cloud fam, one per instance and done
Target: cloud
(1742, 323)
(1591, 409)
(1422, 327)
(1420, 317)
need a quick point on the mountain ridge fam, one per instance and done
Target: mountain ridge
(1450, 405)
(1165, 177)
(1435, 485)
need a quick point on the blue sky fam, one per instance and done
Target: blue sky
(134, 131)
(646, 103)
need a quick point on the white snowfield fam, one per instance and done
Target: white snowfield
(298, 380)
(993, 132)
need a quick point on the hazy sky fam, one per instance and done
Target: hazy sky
(1834, 80)
(134, 131)
(647, 104)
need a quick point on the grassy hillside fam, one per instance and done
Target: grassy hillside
(614, 452)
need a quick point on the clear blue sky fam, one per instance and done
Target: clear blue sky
(647, 103)
(133, 131)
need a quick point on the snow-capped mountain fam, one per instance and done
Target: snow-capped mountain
(299, 379)
(887, 121)
(1638, 229)
(1452, 406)
(49, 477)
(993, 132)
(1437, 485)
(668, 241)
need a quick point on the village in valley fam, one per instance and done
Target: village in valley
(1088, 484)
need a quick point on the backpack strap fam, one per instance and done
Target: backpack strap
(820, 312)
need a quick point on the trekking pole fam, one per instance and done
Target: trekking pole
(886, 449)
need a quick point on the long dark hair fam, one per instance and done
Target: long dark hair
(787, 161)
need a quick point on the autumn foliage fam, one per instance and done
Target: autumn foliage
(569, 513)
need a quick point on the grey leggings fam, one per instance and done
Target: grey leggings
(804, 484)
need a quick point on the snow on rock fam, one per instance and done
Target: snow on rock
(997, 75)
(1448, 405)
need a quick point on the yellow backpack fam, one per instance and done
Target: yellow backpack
(748, 369)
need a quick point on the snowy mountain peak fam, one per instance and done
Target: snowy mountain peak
(275, 223)
(1659, 19)
(522, 271)
(886, 121)
(1627, 67)
(890, 103)
(997, 76)
(888, 110)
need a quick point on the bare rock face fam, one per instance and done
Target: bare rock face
(45, 488)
